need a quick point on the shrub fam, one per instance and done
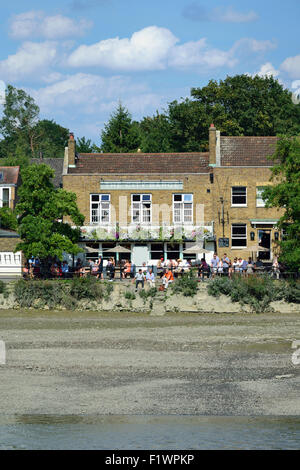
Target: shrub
(145, 294)
(2, 287)
(38, 293)
(258, 292)
(48, 292)
(187, 285)
(86, 288)
(129, 295)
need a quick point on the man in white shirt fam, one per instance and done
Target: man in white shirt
(139, 279)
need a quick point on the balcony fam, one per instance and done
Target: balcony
(114, 232)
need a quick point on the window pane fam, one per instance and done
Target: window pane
(188, 197)
(146, 197)
(136, 197)
(239, 195)
(104, 197)
(238, 230)
(95, 197)
(5, 197)
(188, 213)
(177, 197)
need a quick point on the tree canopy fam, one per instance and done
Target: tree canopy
(40, 212)
(25, 136)
(285, 194)
(120, 134)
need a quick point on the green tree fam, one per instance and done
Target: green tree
(8, 219)
(24, 135)
(285, 193)
(84, 145)
(120, 134)
(50, 139)
(155, 134)
(20, 116)
(188, 126)
(245, 105)
(40, 211)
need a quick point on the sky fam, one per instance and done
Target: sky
(79, 58)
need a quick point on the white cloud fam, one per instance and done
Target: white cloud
(291, 66)
(155, 48)
(90, 92)
(197, 53)
(267, 70)
(249, 45)
(36, 24)
(31, 58)
(147, 49)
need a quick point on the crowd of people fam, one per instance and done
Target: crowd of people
(166, 270)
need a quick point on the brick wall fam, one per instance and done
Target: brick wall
(84, 185)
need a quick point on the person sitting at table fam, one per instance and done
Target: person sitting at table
(65, 269)
(167, 278)
(203, 269)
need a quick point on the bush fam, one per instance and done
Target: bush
(258, 292)
(2, 287)
(187, 285)
(129, 295)
(86, 288)
(39, 293)
(150, 293)
(49, 293)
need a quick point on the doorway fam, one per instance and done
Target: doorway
(264, 240)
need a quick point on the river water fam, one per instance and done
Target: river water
(148, 432)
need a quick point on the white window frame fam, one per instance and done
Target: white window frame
(241, 237)
(141, 209)
(182, 209)
(1, 195)
(100, 209)
(239, 205)
(259, 200)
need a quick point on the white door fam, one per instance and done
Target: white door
(140, 255)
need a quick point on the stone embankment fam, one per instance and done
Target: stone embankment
(124, 298)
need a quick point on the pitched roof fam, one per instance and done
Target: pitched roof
(247, 151)
(10, 174)
(141, 163)
(56, 164)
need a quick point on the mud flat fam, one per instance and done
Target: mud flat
(82, 363)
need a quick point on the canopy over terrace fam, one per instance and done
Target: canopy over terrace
(196, 249)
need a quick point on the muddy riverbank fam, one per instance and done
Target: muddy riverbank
(118, 363)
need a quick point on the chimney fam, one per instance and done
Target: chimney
(71, 150)
(212, 144)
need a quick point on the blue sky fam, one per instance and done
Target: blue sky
(78, 58)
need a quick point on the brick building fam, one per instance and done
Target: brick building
(160, 204)
(10, 262)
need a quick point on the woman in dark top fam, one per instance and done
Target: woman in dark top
(100, 268)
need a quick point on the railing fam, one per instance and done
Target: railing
(42, 272)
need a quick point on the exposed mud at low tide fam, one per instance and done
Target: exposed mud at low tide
(82, 363)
